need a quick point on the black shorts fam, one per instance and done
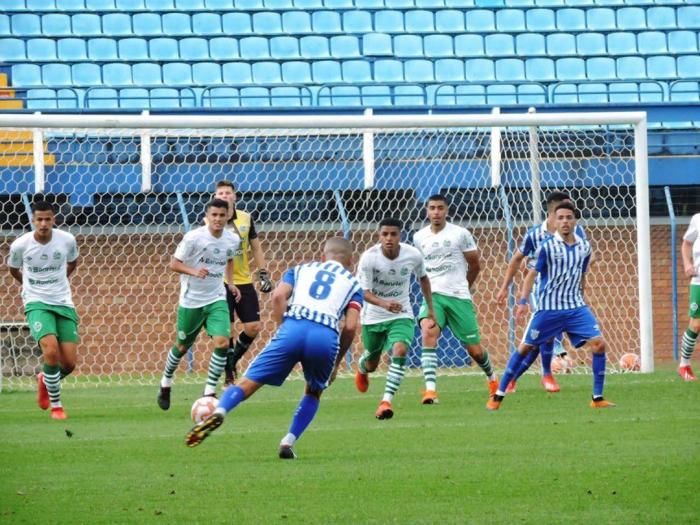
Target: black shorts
(248, 308)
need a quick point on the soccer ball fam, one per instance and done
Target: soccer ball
(562, 365)
(629, 362)
(203, 408)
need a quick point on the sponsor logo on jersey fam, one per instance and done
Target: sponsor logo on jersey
(44, 257)
(56, 256)
(216, 250)
(436, 244)
(534, 333)
(446, 243)
(37, 326)
(694, 307)
(392, 272)
(181, 335)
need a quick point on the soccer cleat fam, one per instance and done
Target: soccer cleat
(286, 452)
(384, 411)
(361, 381)
(601, 403)
(164, 397)
(58, 413)
(42, 394)
(686, 373)
(430, 397)
(550, 384)
(493, 387)
(494, 402)
(202, 430)
(511, 387)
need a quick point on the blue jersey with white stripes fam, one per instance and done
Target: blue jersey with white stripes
(322, 291)
(561, 267)
(536, 235)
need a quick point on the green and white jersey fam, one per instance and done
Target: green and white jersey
(43, 267)
(692, 235)
(200, 249)
(444, 258)
(389, 279)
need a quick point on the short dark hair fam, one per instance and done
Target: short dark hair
(225, 183)
(567, 205)
(216, 203)
(43, 206)
(438, 197)
(390, 221)
(557, 196)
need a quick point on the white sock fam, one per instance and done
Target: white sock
(288, 440)
(165, 382)
(500, 393)
(492, 377)
(209, 390)
(685, 362)
(388, 397)
(430, 386)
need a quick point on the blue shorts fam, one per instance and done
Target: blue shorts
(297, 341)
(579, 323)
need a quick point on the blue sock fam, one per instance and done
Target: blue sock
(527, 363)
(514, 364)
(547, 352)
(598, 374)
(231, 398)
(308, 406)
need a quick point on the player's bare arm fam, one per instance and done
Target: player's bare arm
(687, 255)
(428, 295)
(347, 335)
(279, 301)
(70, 267)
(393, 306)
(472, 258)
(512, 269)
(16, 273)
(525, 289)
(178, 266)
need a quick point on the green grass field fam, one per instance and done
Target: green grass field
(542, 458)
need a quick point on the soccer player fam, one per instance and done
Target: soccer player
(690, 250)
(561, 262)
(42, 261)
(452, 264)
(307, 305)
(533, 239)
(387, 319)
(202, 258)
(248, 307)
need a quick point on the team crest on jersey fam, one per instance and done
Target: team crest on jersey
(446, 243)
(693, 307)
(181, 334)
(216, 250)
(44, 257)
(56, 256)
(28, 258)
(436, 244)
(37, 326)
(404, 271)
(243, 229)
(392, 272)
(534, 333)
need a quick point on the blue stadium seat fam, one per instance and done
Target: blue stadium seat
(102, 98)
(249, 5)
(661, 18)
(100, 5)
(593, 93)
(5, 25)
(12, 49)
(409, 96)
(601, 19)
(296, 72)
(685, 91)
(460, 3)
(388, 22)
(430, 4)
(289, 97)
(223, 48)
(267, 23)
(689, 17)
(206, 73)
(436, 46)
(133, 49)
(165, 98)
(24, 75)
(652, 43)
(501, 95)
(87, 74)
(500, 44)
(571, 69)
(296, 22)
(571, 20)
(600, 68)
(540, 69)
(407, 45)
(194, 48)
(377, 44)
(589, 44)
(468, 95)
(130, 5)
(56, 25)
(31, 5)
(267, 73)
(419, 71)
(26, 25)
(221, 97)
(399, 4)
(102, 49)
(254, 47)
(449, 70)
(175, 24)
(314, 47)
(206, 24)
(631, 68)
(14, 5)
(622, 43)
(449, 21)
(357, 22)
(41, 99)
(531, 94)
(116, 74)
(283, 47)
(479, 70)
(326, 71)
(683, 42)
(116, 24)
(338, 4)
(369, 4)
(345, 47)
(41, 49)
(388, 70)
(510, 20)
(56, 75)
(340, 96)
(326, 22)
(480, 21)
(71, 49)
(160, 5)
(356, 71)
(236, 24)
(510, 69)
(469, 45)
(255, 97)
(237, 73)
(662, 67)
(147, 24)
(85, 24)
(133, 98)
(624, 92)
(558, 44)
(163, 49)
(177, 74)
(419, 21)
(190, 5)
(539, 20)
(631, 18)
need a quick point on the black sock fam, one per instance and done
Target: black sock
(241, 347)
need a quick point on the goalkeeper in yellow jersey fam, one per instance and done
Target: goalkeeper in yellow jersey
(247, 308)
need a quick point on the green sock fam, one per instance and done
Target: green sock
(64, 373)
(361, 363)
(397, 369)
(171, 364)
(429, 363)
(485, 364)
(687, 346)
(216, 368)
(52, 380)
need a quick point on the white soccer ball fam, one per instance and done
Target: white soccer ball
(203, 408)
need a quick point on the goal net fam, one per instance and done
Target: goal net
(129, 187)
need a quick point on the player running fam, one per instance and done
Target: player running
(690, 251)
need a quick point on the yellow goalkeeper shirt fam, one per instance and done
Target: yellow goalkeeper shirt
(241, 261)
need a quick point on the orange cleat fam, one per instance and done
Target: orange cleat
(494, 403)
(384, 411)
(550, 384)
(58, 413)
(493, 387)
(511, 387)
(42, 394)
(686, 373)
(430, 397)
(361, 381)
(601, 403)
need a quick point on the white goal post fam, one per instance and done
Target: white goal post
(129, 185)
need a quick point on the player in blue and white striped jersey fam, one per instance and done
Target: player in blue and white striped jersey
(307, 305)
(529, 245)
(562, 262)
